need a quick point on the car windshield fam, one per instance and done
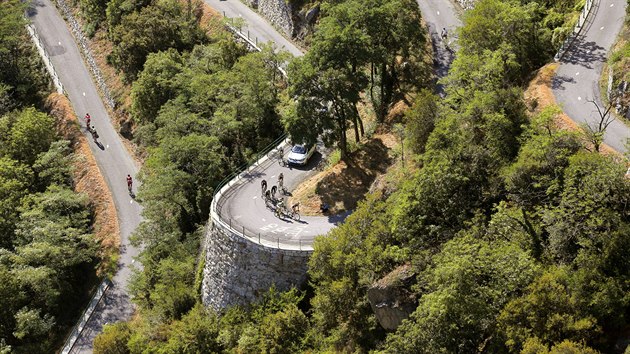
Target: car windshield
(299, 149)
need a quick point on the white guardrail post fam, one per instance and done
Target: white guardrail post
(586, 11)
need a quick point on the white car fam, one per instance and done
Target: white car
(300, 154)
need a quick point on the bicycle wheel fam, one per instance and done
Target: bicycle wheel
(296, 216)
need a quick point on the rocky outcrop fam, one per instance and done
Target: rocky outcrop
(619, 91)
(391, 298)
(238, 271)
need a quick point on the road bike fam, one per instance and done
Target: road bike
(282, 211)
(280, 156)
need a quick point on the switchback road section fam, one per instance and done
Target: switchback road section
(576, 83)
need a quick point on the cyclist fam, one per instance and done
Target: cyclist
(263, 186)
(444, 34)
(129, 182)
(296, 207)
(88, 119)
(280, 181)
(279, 207)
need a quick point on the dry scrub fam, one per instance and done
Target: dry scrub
(88, 179)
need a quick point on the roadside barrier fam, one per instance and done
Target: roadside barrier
(586, 11)
(45, 57)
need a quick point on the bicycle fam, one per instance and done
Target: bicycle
(280, 157)
(281, 184)
(282, 210)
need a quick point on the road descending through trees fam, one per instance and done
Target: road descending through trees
(112, 158)
(576, 83)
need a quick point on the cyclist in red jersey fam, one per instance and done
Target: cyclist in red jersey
(129, 182)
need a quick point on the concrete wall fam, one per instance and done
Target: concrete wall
(239, 271)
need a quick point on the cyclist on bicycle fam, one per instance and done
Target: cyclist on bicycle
(296, 207)
(129, 182)
(88, 119)
(279, 207)
(444, 34)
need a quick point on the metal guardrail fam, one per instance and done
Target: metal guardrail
(71, 339)
(242, 172)
(586, 11)
(235, 179)
(252, 43)
(42, 52)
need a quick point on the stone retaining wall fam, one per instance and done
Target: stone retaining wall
(82, 41)
(238, 271)
(466, 4)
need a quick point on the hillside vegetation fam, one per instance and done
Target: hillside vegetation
(517, 233)
(47, 251)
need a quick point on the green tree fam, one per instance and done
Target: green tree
(29, 133)
(343, 266)
(420, 120)
(113, 339)
(156, 84)
(325, 103)
(547, 311)
(22, 82)
(197, 332)
(155, 27)
(466, 288)
(14, 181)
(494, 24)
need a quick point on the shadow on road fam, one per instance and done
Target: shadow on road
(584, 53)
(557, 83)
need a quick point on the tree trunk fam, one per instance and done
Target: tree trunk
(355, 125)
(358, 118)
(381, 105)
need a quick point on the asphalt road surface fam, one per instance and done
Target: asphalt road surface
(257, 26)
(577, 80)
(438, 15)
(112, 158)
(243, 205)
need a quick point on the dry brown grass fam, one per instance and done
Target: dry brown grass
(88, 179)
(343, 185)
(539, 95)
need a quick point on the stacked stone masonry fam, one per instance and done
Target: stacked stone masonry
(239, 271)
(87, 53)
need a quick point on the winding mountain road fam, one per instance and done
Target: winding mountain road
(112, 158)
(242, 206)
(575, 82)
(577, 79)
(254, 24)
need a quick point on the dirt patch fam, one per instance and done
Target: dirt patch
(538, 95)
(88, 179)
(343, 185)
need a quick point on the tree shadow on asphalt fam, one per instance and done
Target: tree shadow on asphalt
(557, 82)
(584, 53)
(249, 176)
